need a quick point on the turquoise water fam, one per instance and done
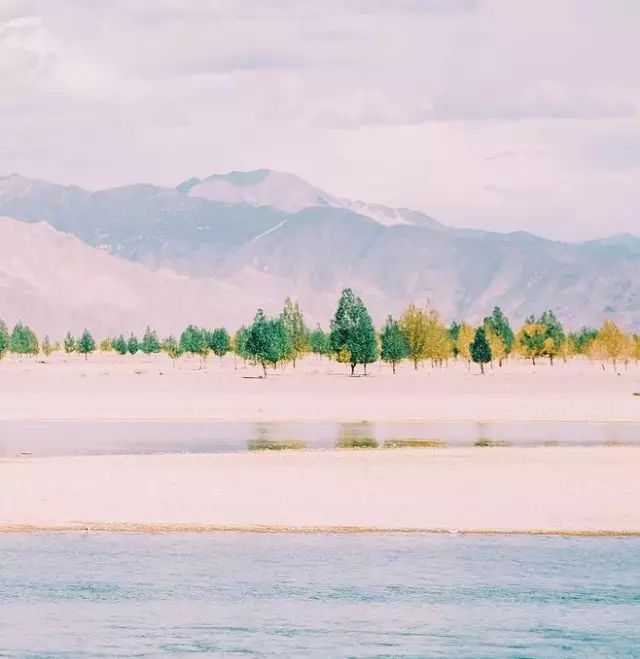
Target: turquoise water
(102, 595)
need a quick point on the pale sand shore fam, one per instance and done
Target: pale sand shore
(112, 387)
(469, 490)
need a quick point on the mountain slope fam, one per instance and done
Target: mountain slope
(264, 253)
(56, 283)
(464, 276)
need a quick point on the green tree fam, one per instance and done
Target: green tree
(267, 341)
(194, 340)
(69, 343)
(554, 335)
(582, 339)
(172, 348)
(219, 341)
(86, 344)
(498, 325)
(239, 343)
(4, 339)
(319, 342)
(454, 333)
(150, 343)
(23, 340)
(120, 345)
(394, 343)
(479, 349)
(133, 345)
(293, 322)
(352, 332)
(47, 348)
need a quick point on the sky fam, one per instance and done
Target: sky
(497, 114)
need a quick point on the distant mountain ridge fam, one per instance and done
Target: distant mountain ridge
(290, 193)
(266, 233)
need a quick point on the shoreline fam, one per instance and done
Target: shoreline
(583, 491)
(160, 529)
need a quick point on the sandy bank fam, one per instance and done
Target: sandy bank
(113, 387)
(496, 490)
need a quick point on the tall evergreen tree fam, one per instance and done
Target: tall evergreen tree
(267, 341)
(120, 345)
(150, 343)
(479, 349)
(23, 340)
(454, 333)
(86, 344)
(219, 341)
(554, 334)
(133, 345)
(352, 331)
(394, 343)
(498, 324)
(69, 343)
(293, 322)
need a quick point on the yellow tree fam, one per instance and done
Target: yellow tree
(438, 342)
(636, 347)
(415, 326)
(465, 337)
(427, 337)
(106, 345)
(596, 352)
(566, 349)
(612, 343)
(498, 351)
(530, 341)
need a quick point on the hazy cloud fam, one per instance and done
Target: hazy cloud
(438, 104)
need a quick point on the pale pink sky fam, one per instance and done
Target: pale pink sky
(498, 114)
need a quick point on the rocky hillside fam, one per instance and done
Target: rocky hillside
(261, 235)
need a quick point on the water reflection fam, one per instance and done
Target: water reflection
(69, 437)
(270, 438)
(356, 435)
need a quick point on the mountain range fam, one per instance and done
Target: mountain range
(212, 250)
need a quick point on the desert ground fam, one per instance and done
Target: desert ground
(108, 386)
(465, 489)
(495, 490)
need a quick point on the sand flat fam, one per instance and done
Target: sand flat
(498, 490)
(112, 387)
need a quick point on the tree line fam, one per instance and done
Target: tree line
(419, 335)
